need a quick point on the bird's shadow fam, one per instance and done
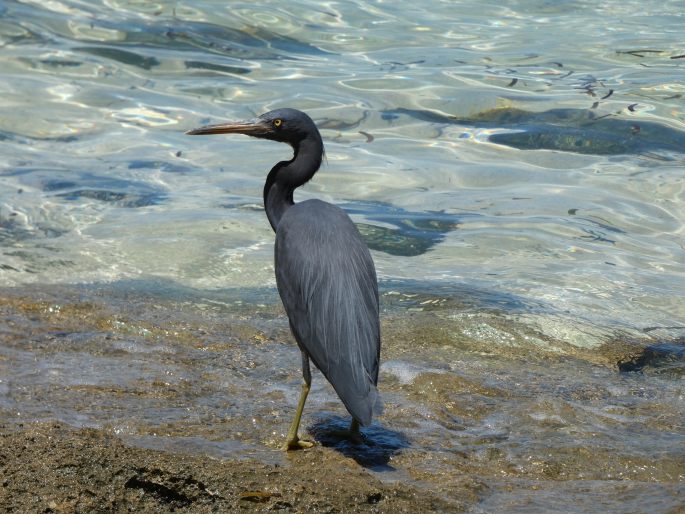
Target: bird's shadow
(374, 451)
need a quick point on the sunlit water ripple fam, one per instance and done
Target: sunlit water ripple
(525, 159)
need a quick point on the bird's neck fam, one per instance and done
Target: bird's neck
(287, 176)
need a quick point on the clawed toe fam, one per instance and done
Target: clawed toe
(297, 444)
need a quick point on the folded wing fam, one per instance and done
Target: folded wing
(327, 282)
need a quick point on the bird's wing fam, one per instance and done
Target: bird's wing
(327, 281)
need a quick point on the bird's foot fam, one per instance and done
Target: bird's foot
(355, 436)
(352, 435)
(297, 444)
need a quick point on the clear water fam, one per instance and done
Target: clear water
(518, 170)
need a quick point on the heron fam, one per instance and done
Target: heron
(325, 275)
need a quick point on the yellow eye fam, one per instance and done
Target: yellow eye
(278, 122)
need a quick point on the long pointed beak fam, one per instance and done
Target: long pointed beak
(255, 127)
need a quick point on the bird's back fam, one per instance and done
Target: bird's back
(327, 281)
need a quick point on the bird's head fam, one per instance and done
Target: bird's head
(284, 125)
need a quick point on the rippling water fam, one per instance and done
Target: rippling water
(524, 160)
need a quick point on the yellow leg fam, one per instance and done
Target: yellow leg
(293, 441)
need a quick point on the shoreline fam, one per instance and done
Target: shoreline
(50, 467)
(190, 406)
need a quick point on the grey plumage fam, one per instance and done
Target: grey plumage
(327, 282)
(324, 271)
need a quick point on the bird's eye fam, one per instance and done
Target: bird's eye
(278, 122)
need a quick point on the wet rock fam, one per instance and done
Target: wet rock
(52, 468)
(666, 358)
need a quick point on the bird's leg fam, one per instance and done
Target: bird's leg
(355, 435)
(352, 434)
(293, 441)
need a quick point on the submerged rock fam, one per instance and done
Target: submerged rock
(411, 234)
(565, 130)
(661, 358)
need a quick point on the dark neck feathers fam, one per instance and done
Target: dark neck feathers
(287, 176)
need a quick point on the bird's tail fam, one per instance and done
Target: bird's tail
(373, 400)
(376, 401)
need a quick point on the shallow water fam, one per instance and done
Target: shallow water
(475, 403)
(517, 171)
